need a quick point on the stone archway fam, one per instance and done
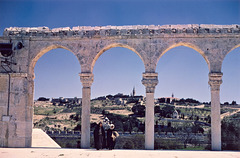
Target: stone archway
(184, 72)
(211, 41)
(113, 45)
(230, 68)
(87, 80)
(180, 67)
(48, 50)
(189, 45)
(41, 50)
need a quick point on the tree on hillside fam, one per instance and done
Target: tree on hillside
(127, 126)
(168, 111)
(234, 103)
(226, 103)
(138, 110)
(78, 127)
(231, 133)
(157, 109)
(161, 100)
(186, 131)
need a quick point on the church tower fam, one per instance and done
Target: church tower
(133, 92)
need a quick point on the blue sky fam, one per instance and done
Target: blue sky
(182, 71)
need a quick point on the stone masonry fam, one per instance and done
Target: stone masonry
(87, 43)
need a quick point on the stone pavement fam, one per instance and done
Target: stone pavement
(41, 139)
(92, 153)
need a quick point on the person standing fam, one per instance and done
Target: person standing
(99, 136)
(111, 137)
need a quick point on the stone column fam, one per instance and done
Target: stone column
(30, 106)
(150, 80)
(215, 80)
(87, 80)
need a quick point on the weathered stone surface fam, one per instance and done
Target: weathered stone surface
(87, 43)
(89, 31)
(3, 83)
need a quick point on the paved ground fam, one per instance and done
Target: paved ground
(41, 139)
(91, 153)
(52, 150)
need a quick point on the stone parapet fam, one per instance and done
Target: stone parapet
(131, 30)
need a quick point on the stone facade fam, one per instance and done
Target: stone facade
(87, 43)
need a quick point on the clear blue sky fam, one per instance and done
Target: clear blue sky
(182, 71)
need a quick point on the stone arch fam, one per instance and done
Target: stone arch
(230, 74)
(189, 45)
(112, 46)
(42, 51)
(236, 46)
(226, 53)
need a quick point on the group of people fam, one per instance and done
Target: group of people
(100, 140)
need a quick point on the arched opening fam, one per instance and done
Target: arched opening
(230, 88)
(230, 100)
(189, 45)
(181, 96)
(57, 98)
(113, 45)
(116, 89)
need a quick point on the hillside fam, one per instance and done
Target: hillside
(48, 116)
(67, 116)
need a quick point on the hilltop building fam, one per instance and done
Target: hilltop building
(175, 115)
(121, 99)
(133, 92)
(171, 99)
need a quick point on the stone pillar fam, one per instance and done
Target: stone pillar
(215, 80)
(150, 80)
(87, 80)
(16, 114)
(30, 106)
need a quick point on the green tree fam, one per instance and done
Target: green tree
(168, 110)
(231, 133)
(78, 127)
(186, 131)
(139, 110)
(234, 103)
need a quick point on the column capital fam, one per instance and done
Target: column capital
(150, 80)
(86, 79)
(215, 80)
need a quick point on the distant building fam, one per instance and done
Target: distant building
(120, 101)
(175, 115)
(133, 92)
(167, 99)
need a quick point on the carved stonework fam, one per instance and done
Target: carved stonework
(150, 80)
(86, 79)
(215, 80)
